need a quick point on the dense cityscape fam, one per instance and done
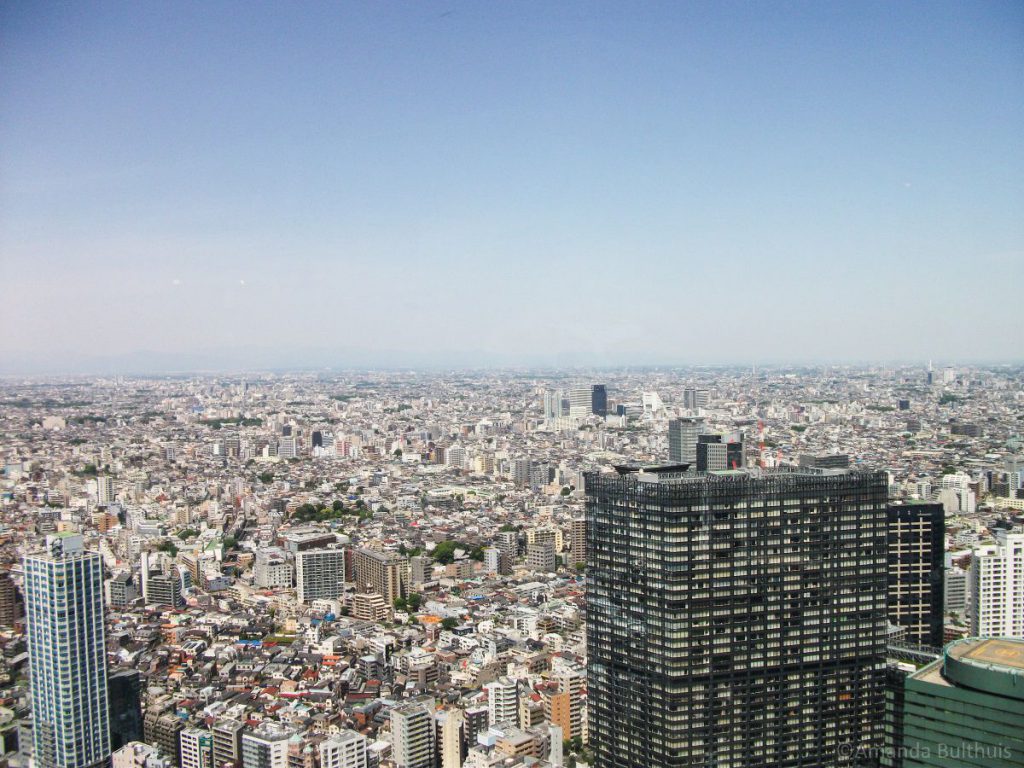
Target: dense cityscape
(461, 384)
(401, 569)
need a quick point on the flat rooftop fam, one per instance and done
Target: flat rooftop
(1000, 653)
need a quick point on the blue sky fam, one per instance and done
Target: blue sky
(458, 183)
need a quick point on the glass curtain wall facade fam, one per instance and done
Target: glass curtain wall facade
(735, 619)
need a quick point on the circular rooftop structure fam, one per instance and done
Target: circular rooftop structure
(992, 665)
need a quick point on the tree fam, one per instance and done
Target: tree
(414, 601)
(449, 623)
(266, 477)
(507, 528)
(566, 490)
(397, 453)
(168, 546)
(444, 552)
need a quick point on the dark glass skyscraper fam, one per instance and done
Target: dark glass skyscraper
(124, 695)
(599, 400)
(735, 619)
(916, 534)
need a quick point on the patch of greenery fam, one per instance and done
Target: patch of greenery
(242, 422)
(168, 546)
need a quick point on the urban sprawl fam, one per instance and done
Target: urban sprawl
(617, 568)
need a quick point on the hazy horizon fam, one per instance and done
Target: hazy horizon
(222, 186)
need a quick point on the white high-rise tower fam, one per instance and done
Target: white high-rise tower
(67, 655)
(997, 587)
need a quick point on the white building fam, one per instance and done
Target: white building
(273, 569)
(136, 754)
(67, 654)
(266, 747)
(196, 748)
(955, 587)
(452, 733)
(997, 587)
(319, 574)
(502, 701)
(492, 559)
(413, 734)
(345, 750)
(104, 490)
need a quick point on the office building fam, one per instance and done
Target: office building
(124, 694)
(384, 573)
(287, 447)
(319, 574)
(966, 709)
(196, 748)
(588, 401)
(712, 454)
(916, 534)
(734, 619)
(553, 404)
(824, 461)
(413, 735)
(694, 398)
(347, 749)
(997, 587)
(682, 440)
(67, 655)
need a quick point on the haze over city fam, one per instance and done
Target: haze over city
(219, 186)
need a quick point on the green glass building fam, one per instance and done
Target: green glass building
(967, 709)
